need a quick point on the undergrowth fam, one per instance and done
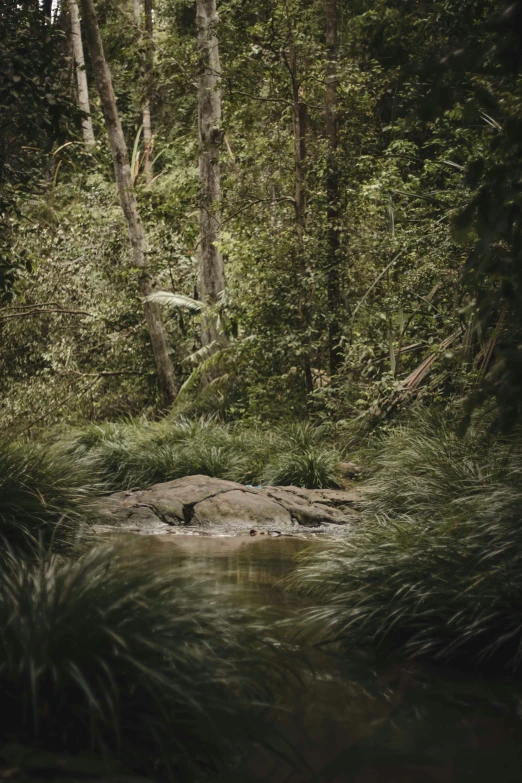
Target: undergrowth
(434, 568)
(43, 492)
(141, 453)
(101, 655)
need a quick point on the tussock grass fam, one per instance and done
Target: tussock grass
(43, 492)
(312, 468)
(424, 467)
(434, 569)
(103, 656)
(138, 454)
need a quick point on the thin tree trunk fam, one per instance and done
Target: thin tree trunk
(332, 191)
(147, 125)
(299, 118)
(81, 75)
(147, 67)
(47, 8)
(211, 270)
(120, 158)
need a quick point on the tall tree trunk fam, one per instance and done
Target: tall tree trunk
(81, 75)
(147, 125)
(120, 158)
(299, 120)
(211, 269)
(332, 191)
(147, 66)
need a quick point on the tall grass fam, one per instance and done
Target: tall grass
(313, 468)
(103, 656)
(435, 567)
(42, 492)
(425, 466)
(138, 454)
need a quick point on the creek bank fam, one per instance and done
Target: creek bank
(205, 504)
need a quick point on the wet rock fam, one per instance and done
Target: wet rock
(208, 503)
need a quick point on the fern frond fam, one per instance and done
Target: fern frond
(221, 380)
(176, 301)
(202, 353)
(206, 366)
(206, 351)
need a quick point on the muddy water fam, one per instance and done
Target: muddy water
(357, 721)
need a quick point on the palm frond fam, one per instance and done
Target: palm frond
(176, 301)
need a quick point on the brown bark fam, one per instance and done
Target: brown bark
(211, 270)
(120, 158)
(332, 191)
(82, 89)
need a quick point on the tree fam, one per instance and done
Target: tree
(212, 273)
(332, 191)
(147, 67)
(299, 108)
(166, 378)
(81, 75)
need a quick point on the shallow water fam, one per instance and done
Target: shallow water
(359, 722)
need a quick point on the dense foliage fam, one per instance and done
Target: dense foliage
(158, 683)
(426, 165)
(432, 571)
(354, 174)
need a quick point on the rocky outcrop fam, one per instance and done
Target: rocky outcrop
(201, 502)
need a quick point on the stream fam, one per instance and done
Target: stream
(357, 721)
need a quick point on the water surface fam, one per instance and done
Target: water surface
(358, 721)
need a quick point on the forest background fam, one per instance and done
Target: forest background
(368, 214)
(274, 242)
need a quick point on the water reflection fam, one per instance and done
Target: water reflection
(357, 721)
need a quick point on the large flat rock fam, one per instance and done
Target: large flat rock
(202, 502)
(237, 507)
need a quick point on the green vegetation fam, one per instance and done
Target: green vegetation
(99, 656)
(397, 277)
(43, 494)
(433, 568)
(141, 453)
(253, 241)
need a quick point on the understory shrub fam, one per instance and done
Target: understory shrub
(440, 574)
(43, 493)
(105, 656)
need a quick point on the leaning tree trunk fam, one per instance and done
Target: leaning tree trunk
(332, 190)
(81, 75)
(120, 158)
(147, 67)
(211, 269)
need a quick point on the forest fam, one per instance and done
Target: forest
(260, 275)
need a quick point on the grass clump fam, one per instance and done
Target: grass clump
(139, 454)
(434, 569)
(43, 492)
(424, 468)
(312, 468)
(98, 655)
